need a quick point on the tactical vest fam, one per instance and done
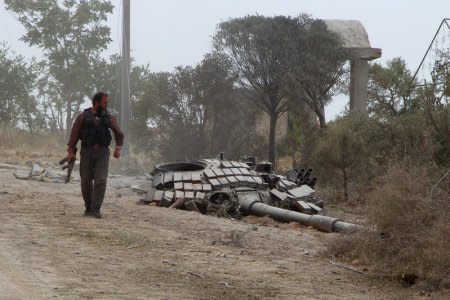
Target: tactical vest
(95, 134)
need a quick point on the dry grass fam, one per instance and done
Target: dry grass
(409, 238)
(20, 139)
(19, 146)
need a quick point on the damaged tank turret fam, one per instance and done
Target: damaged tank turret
(234, 188)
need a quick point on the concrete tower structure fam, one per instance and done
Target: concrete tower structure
(356, 40)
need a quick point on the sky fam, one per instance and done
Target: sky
(169, 33)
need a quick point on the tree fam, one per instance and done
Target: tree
(391, 89)
(223, 106)
(273, 56)
(71, 34)
(314, 60)
(171, 107)
(17, 82)
(255, 46)
(196, 111)
(341, 149)
(302, 134)
(151, 113)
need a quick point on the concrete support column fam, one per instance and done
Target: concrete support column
(359, 78)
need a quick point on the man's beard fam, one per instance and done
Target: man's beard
(101, 112)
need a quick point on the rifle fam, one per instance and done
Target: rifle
(69, 166)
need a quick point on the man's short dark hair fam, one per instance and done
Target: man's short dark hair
(98, 97)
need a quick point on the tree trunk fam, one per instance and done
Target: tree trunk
(321, 115)
(68, 117)
(448, 180)
(345, 183)
(447, 137)
(273, 126)
(448, 164)
(30, 125)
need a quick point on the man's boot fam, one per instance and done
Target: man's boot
(96, 214)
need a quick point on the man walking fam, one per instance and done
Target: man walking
(93, 127)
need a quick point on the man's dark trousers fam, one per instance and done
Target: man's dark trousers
(94, 173)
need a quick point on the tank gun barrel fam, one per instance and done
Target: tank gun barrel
(253, 205)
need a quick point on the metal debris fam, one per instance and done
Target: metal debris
(40, 173)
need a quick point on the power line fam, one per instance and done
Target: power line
(443, 22)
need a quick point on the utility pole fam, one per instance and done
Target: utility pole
(125, 113)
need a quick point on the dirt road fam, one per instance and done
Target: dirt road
(48, 249)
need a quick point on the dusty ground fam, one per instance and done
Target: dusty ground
(48, 249)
